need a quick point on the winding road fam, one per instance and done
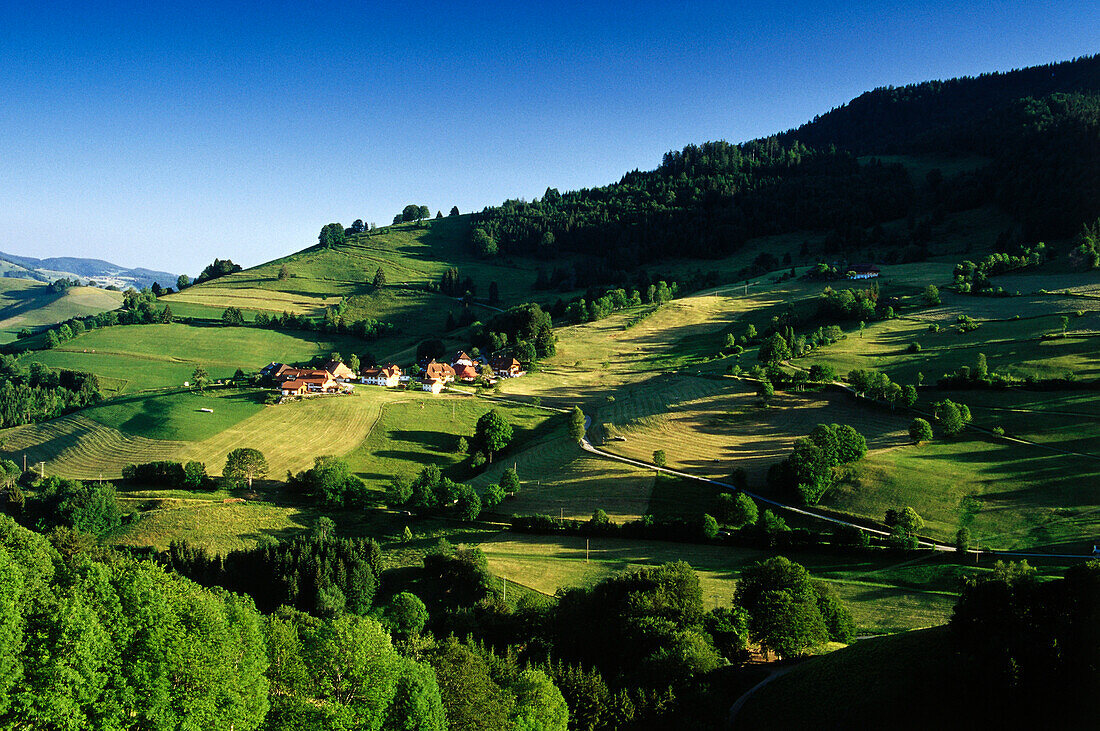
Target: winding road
(928, 543)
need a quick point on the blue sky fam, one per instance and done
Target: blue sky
(164, 134)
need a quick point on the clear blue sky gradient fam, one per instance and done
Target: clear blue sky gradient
(161, 135)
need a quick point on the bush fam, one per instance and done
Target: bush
(920, 431)
(914, 347)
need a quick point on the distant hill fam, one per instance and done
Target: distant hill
(27, 304)
(96, 270)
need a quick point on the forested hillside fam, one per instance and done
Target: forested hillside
(1039, 128)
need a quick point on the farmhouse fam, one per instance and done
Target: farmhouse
(295, 387)
(438, 371)
(462, 359)
(863, 271)
(339, 371)
(507, 367)
(303, 381)
(388, 376)
(466, 373)
(432, 385)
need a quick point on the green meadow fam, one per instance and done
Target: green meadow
(134, 358)
(25, 303)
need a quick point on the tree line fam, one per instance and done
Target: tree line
(39, 393)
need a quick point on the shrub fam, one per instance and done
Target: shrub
(914, 347)
(920, 431)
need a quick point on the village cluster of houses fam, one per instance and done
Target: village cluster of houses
(336, 377)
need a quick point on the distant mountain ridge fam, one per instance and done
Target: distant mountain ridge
(96, 270)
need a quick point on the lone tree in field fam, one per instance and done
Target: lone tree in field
(509, 482)
(200, 379)
(493, 433)
(244, 464)
(182, 282)
(284, 273)
(576, 424)
(962, 540)
(379, 278)
(920, 431)
(932, 295)
(659, 458)
(952, 417)
(331, 235)
(454, 211)
(765, 390)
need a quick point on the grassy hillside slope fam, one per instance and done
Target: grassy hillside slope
(28, 304)
(133, 358)
(877, 678)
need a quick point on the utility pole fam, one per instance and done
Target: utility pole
(505, 580)
(586, 542)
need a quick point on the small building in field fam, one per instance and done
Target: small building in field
(437, 370)
(388, 376)
(863, 271)
(339, 371)
(507, 367)
(432, 385)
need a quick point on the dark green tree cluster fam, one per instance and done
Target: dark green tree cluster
(952, 417)
(810, 470)
(904, 526)
(1030, 648)
(413, 212)
(38, 393)
(849, 304)
(189, 476)
(233, 317)
(971, 278)
(877, 385)
(430, 493)
(322, 575)
(492, 434)
(703, 201)
(789, 612)
(330, 482)
(1037, 125)
(647, 627)
(366, 329)
(485, 692)
(527, 323)
(452, 284)
(591, 310)
(219, 268)
(332, 234)
(1086, 251)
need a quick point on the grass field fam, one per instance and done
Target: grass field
(1009, 495)
(25, 303)
(409, 255)
(417, 429)
(289, 435)
(880, 602)
(710, 428)
(133, 358)
(177, 416)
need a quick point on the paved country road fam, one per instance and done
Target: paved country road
(587, 446)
